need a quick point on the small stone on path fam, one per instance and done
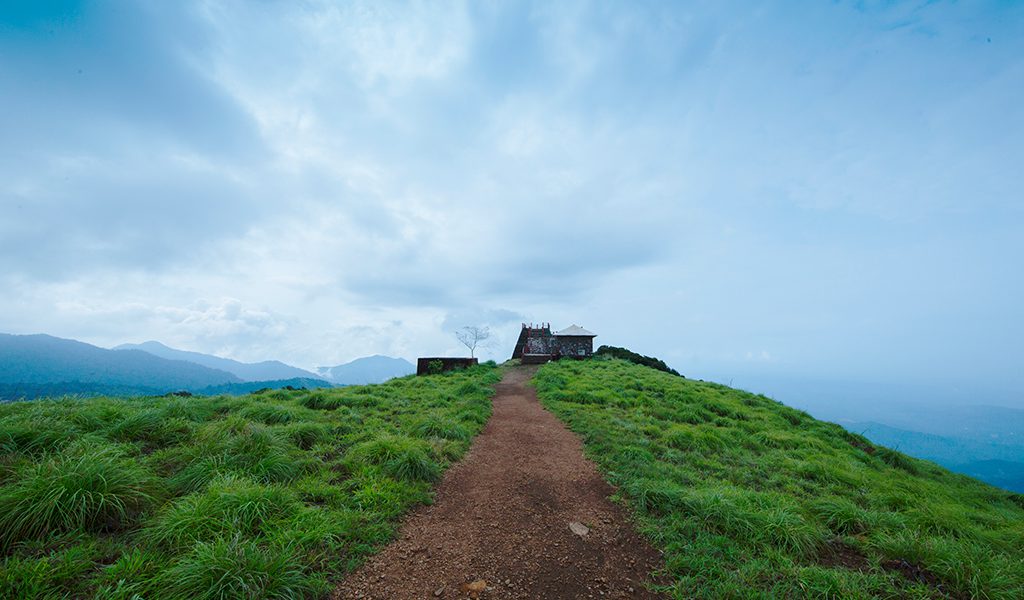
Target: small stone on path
(579, 528)
(475, 588)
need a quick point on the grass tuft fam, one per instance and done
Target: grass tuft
(222, 497)
(399, 456)
(86, 489)
(227, 506)
(440, 427)
(237, 568)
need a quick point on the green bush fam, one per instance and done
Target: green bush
(633, 357)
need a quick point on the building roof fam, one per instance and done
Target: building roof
(575, 330)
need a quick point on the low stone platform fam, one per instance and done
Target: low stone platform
(447, 364)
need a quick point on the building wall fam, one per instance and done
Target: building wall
(573, 346)
(533, 340)
(537, 342)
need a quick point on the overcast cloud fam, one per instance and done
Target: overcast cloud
(801, 189)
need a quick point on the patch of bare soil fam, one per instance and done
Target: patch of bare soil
(524, 515)
(912, 572)
(836, 553)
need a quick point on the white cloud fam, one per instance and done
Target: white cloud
(318, 181)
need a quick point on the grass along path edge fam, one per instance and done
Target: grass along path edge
(748, 498)
(271, 495)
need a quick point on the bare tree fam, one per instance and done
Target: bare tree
(471, 336)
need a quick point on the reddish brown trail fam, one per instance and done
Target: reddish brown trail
(502, 516)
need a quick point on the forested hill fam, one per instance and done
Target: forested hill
(267, 370)
(38, 365)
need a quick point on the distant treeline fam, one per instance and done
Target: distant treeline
(633, 357)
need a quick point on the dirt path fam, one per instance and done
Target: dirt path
(502, 515)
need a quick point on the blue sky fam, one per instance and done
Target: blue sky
(779, 189)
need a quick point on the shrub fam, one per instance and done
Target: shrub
(633, 357)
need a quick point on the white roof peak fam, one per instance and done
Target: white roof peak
(575, 330)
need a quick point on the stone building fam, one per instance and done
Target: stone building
(538, 344)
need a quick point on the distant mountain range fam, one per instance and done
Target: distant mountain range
(261, 371)
(36, 366)
(992, 461)
(361, 371)
(370, 369)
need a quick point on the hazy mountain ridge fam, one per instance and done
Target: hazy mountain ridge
(369, 369)
(33, 364)
(37, 366)
(996, 463)
(267, 370)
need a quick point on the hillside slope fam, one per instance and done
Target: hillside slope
(267, 370)
(271, 495)
(34, 365)
(749, 498)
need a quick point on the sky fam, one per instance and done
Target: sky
(789, 190)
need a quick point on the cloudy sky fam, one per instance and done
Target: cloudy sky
(801, 189)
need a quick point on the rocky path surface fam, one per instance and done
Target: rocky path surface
(523, 515)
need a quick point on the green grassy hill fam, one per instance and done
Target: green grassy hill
(270, 495)
(277, 494)
(751, 499)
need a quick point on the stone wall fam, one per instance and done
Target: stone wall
(447, 364)
(574, 346)
(533, 340)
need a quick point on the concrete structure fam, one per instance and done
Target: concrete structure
(537, 344)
